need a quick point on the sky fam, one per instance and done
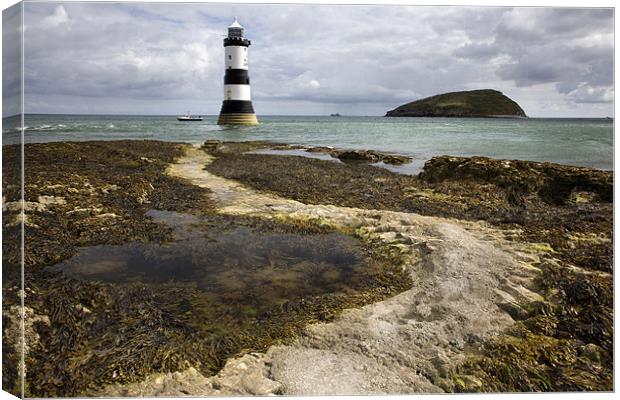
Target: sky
(149, 58)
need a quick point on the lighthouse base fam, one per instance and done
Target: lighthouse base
(237, 119)
(237, 112)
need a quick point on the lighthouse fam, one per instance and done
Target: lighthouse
(237, 105)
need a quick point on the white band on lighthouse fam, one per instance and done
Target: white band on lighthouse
(237, 92)
(236, 57)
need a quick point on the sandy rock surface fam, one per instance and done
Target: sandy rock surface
(468, 281)
(242, 376)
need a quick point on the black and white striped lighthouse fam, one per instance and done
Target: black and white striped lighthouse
(237, 105)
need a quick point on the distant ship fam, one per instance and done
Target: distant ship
(334, 115)
(189, 117)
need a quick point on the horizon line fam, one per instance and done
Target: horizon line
(300, 115)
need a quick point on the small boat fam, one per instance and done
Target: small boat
(334, 115)
(189, 117)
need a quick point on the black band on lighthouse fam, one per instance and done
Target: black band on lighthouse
(236, 42)
(237, 107)
(236, 77)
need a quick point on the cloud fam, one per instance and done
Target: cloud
(359, 59)
(121, 51)
(11, 60)
(572, 48)
(477, 51)
(585, 93)
(57, 18)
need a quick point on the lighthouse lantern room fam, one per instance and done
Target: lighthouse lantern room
(237, 105)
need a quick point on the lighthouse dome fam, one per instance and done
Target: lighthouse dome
(235, 24)
(235, 30)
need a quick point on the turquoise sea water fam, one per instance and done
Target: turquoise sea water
(581, 142)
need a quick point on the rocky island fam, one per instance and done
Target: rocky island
(485, 103)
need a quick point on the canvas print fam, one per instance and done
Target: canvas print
(218, 199)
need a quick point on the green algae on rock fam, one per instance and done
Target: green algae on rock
(90, 333)
(102, 190)
(369, 156)
(562, 212)
(124, 331)
(499, 191)
(564, 344)
(554, 183)
(78, 194)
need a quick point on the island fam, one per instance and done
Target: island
(484, 103)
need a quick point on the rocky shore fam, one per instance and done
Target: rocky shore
(485, 275)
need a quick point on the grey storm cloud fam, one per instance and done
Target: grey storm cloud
(140, 57)
(571, 48)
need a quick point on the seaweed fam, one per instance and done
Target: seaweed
(87, 334)
(565, 344)
(565, 213)
(102, 333)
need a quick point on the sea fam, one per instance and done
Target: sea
(579, 142)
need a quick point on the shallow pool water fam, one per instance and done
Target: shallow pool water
(234, 262)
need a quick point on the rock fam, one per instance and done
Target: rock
(517, 312)
(108, 188)
(361, 155)
(286, 146)
(388, 236)
(13, 331)
(473, 103)
(107, 215)
(173, 384)
(510, 305)
(554, 183)
(468, 383)
(441, 363)
(26, 205)
(211, 144)
(84, 211)
(246, 376)
(320, 149)
(356, 222)
(582, 197)
(51, 200)
(395, 159)
(358, 155)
